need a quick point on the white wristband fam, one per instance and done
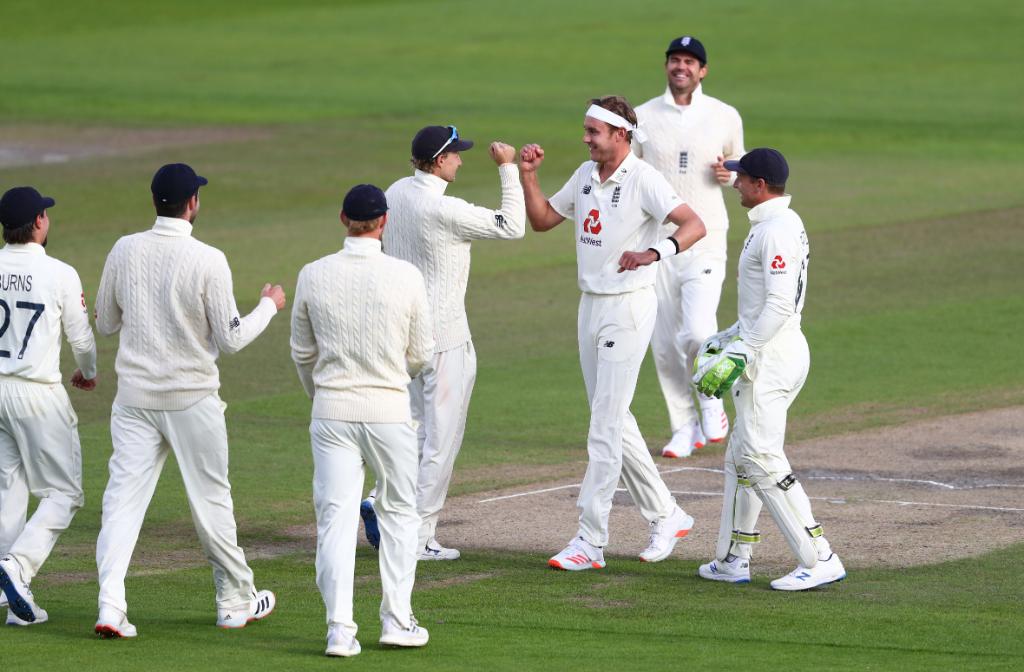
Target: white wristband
(666, 248)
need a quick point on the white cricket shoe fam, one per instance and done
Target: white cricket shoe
(435, 551)
(40, 613)
(340, 643)
(393, 634)
(665, 533)
(802, 578)
(19, 597)
(579, 554)
(113, 624)
(714, 422)
(260, 606)
(736, 570)
(684, 441)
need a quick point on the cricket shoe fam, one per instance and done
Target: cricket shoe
(435, 551)
(731, 570)
(714, 422)
(665, 534)
(41, 617)
(684, 441)
(393, 634)
(113, 624)
(369, 516)
(19, 597)
(579, 554)
(340, 643)
(260, 606)
(802, 578)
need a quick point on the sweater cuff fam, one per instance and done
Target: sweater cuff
(509, 174)
(267, 304)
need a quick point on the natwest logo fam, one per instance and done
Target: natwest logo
(777, 263)
(592, 224)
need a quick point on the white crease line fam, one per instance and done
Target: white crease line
(843, 500)
(940, 484)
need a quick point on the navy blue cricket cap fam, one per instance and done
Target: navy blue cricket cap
(21, 205)
(690, 45)
(176, 183)
(364, 202)
(768, 164)
(432, 141)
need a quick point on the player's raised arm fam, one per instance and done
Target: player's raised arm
(538, 210)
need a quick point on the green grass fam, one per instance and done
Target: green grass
(511, 612)
(903, 124)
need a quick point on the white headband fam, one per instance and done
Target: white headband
(612, 119)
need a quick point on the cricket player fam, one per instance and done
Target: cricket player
(763, 359)
(361, 330)
(434, 232)
(618, 204)
(39, 448)
(688, 135)
(171, 298)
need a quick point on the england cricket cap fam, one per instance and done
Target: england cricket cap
(364, 202)
(768, 164)
(432, 141)
(690, 45)
(21, 205)
(176, 183)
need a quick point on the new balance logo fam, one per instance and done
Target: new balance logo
(235, 323)
(608, 344)
(499, 221)
(803, 576)
(586, 188)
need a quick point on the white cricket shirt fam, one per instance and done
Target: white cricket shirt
(772, 272)
(623, 214)
(38, 296)
(682, 142)
(361, 329)
(433, 232)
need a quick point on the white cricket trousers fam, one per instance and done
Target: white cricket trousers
(614, 332)
(199, 438)
(340, 451)
(39, 453)
(439, 400)
(689, 287)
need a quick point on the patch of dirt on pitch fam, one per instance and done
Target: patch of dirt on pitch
(920, 493)
(27, 145)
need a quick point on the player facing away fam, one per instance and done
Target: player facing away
(618, 204)
(688, 135)
(171, 298)
(39, 448)
(763, 360)
(434, 232)
(360, 331)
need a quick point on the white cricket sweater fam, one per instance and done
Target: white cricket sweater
(39, 295)
(682, 142)
(433, 232)
(772, 272)
(172, 299)
(361, 330)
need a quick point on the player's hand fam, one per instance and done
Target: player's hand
(722, 174)
(715, 371)
(276, 293)
(81, 382)
(502, 153)
(630, 261)
(530, 158)
(718, 342)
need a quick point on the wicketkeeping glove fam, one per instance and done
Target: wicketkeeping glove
(719, 341)
(715, 370)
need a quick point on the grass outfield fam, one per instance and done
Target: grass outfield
(903, 130)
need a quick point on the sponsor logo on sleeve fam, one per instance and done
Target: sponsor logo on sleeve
(778, 265)
(235, 323)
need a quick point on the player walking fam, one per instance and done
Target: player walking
(617, 203)
(688, 135)
(39, 448)
(434, 233)
(171, 298)
(765, 354)
(360, 328)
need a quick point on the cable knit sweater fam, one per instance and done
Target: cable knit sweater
(433, 232)
(682, 142)
(360, 332)
(172, 299)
